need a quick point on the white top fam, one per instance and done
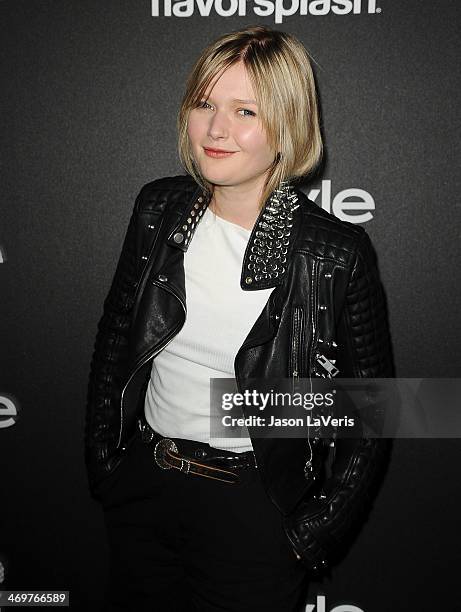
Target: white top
(219, 317)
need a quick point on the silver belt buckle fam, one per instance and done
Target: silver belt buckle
(160, 451)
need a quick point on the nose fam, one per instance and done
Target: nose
(218, 126)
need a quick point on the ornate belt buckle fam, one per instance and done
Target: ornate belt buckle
(161, 448)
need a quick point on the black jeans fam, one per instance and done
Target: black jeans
(185, 543)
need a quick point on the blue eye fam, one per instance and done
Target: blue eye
(247, 110)
(205, 104)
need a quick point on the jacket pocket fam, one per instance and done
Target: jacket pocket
(297, 340)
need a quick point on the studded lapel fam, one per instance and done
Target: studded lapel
(265, 259)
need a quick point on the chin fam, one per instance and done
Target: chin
(217, 178)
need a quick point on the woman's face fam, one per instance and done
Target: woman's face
(229, 121)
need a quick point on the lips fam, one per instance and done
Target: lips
(217, 152)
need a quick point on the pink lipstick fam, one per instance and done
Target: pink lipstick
(217, 152)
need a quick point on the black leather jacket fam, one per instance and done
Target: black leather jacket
(328, 306)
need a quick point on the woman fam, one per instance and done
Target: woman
(228, 271)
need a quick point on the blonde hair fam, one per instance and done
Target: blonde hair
(281, 74)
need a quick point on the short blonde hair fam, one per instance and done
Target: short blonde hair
(281, 74)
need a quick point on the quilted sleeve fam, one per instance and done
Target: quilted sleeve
(102, 418)
(363, 332)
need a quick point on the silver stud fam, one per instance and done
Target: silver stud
(144, 257)
(184, 227)
(189, 220)
(200, 199)
(248, 280)
(162, 278)
(178, 237)
(276, 317)
(272, 235)
(150, 226)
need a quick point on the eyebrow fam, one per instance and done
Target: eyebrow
(238, 100)
(245, 101)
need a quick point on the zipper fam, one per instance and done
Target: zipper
(328, 365)
(313, 315)
(152, 354)
(296, 335)
(308, 466)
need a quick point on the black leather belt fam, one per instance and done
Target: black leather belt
(182, 455)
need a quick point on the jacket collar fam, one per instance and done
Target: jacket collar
(266, 255)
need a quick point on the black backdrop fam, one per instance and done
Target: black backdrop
(90, 92)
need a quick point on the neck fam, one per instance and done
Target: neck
(237, 204)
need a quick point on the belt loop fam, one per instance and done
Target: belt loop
(147, 433)
(185, 462)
